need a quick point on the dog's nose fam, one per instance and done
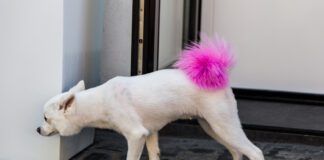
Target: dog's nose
(38, 130)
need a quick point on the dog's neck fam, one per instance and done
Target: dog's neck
(87, 105)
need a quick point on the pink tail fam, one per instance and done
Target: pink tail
(207, 63)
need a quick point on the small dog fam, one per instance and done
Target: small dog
(138, 107)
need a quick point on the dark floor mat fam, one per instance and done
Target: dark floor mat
(175, 148)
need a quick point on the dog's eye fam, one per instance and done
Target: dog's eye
(45, 118)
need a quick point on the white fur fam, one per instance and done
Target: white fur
(138, 107)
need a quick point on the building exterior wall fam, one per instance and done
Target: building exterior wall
(279, 44)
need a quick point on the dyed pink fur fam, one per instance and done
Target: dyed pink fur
(207, 63)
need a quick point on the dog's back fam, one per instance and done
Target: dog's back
(166, 95)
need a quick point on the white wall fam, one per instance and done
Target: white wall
(31, 72)
(171, 20)
(83, 30)
(32, 60)
(116, 56)
(279, 44)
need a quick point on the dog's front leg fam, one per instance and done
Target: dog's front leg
(135, 144)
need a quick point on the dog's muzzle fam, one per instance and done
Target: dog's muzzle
(39, 131)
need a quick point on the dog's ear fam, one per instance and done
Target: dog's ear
(77, 88)
(66, 101)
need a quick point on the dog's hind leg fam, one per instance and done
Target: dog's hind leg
(206, 127)
(224, 121)
(152, 145)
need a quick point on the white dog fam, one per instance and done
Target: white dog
(138, 107)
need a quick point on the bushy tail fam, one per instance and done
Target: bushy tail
(207, 63)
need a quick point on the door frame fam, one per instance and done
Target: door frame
(145, 36)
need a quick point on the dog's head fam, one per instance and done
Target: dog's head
(58, 114)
